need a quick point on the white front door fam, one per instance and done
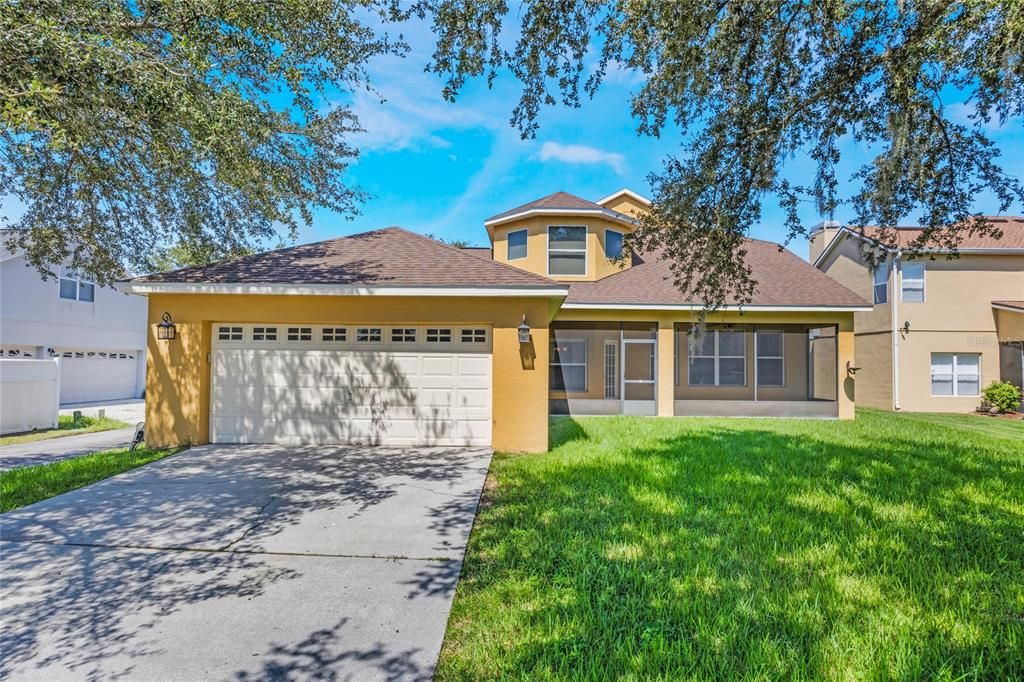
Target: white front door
(376, 385)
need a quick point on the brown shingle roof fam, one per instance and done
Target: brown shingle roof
(388, 257)
(560, 201)
(782, 279)
(1012, 228)
(1019, 305)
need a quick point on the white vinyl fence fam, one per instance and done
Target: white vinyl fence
(29, 394)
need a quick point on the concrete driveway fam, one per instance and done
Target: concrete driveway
(242, 562)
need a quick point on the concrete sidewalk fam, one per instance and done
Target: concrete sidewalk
(131, 411)
(54, 449)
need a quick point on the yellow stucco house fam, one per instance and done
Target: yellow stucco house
(391, 338)
(940, 329)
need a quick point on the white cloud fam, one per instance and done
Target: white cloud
(582, 154)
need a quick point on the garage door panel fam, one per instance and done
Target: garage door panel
(90, 378)
(320, 396)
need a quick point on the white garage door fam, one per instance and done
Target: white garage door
(275, 383)
(87, 376)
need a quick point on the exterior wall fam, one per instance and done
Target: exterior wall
(628, 205)
(915, 368)
(33, 316)
(1009, 325)
(536, 261)
(666, 393)
(874, 376)
(178, 372)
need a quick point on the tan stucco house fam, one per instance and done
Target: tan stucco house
(388, 337)
(940, 329)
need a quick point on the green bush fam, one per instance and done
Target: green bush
(1002, 395)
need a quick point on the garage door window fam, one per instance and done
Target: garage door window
(264, 333)
(474, 336)
(403, 335)
(300, 334)
(439, 335)
(333, 334)
(229, 333)
(368, 335)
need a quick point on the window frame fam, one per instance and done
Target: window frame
(371, 334)
(442, 335)
(717, 357)
(508, 244)
(299, 334)
(267, 334)
(585, 251)
(955, 375)
(585, 364)
(401, 335)
(922, 279)
(622, 245)
(883, 266)
(66, 274)
(782, 358)
(472, 335)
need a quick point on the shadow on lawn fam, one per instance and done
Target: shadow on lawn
(729, 552)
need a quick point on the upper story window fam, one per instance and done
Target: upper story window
(613, 243)
(567, 250)
(75, 288)
(517, 244)
(913, 282)
(881, 282)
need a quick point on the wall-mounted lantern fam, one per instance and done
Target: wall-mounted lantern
(524, 331)
(165, 330)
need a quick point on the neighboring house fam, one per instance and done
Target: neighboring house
(388, 337)
(98, 332)
(941, 329)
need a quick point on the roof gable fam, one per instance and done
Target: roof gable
(553, 204)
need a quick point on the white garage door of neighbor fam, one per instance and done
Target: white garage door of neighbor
(87, 376)
(274, 383)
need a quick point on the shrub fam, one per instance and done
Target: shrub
(1002, 395)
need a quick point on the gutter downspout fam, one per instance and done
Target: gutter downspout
(895, 334)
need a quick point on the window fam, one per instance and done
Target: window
(567, 250)
(300, 334)
(229, 333)
(569, 365)
(613, 244)
(881, 282)
(611, 370)
(74, 288)
(474, 336)
(718, 358)
(403, 335)
(333, 334)
(368, 335)
(264, 333)
(770, 362)
(436, 335)
(956, 374)
(913, 282)
(517, 244)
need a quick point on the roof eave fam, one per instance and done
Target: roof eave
(145, 288)
(816, 308)
(602, 213)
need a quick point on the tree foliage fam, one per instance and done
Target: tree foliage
(129, 126)
(755, 84)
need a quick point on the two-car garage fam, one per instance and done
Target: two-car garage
(351, 383)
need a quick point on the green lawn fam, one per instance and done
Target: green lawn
(66, 426)
(887, 547)
(19, 487)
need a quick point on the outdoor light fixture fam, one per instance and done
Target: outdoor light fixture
(165, 331)
(524, 331)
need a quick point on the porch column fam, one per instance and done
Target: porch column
(665, 367)
(844, 355)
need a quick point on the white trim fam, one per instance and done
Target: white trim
(954, 375)
(602, 212)
(725, 308)
(782, 357)
(585, 250)
(903, 280)
(627, 192)
(585, 364)
(1006, 307)
(144, 288)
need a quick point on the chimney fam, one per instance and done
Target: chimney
(821, 235)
